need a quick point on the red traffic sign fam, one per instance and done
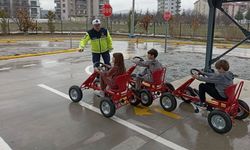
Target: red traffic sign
(167, 16)
(107, 10)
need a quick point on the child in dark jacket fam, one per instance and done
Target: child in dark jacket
(216, 83)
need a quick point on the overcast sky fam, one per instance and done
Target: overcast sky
(120, 5)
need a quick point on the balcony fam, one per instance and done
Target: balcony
(178, 2)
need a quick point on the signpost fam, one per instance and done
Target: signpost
(166, 16)
(107, 11)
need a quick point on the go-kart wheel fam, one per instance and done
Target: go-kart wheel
(168, 102)
(146, 98)
(220, 121)
(170, 87)
(134, 100)
(243, 110)
(107, 107)
(188, 91)
(75, 93)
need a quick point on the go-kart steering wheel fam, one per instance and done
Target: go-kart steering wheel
(102, 66)
(140, 59)
(195, 72)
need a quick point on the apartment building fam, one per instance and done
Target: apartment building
(66, 9)
(12, 6)
(201, 7)
(174, 6)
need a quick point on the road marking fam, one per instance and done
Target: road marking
(30, 65)
(4, 69)
(132, 143)
(142, 111)
(50, 62)
(87, 69)
(121, 121)
(4, 145)
(96, 137)
(169, 114)
(146, 111)
(138, 123)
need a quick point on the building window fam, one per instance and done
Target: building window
(33, 3)
(64, 11)
(63, 5)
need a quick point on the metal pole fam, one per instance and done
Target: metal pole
(166, 34)
(154, 28)
(8, 26)
(107, 23)
(111, 26)
(132, 29)
(210, 35)
(87, 23)
(36, 27)
(180, 30)
(61, 27)
(70, 34)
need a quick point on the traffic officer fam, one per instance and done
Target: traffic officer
(101, 43)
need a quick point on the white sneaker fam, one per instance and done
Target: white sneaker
(99, 93)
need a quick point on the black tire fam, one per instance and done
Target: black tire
(107, 107)
(170, 86)
(220, 121)
(134, 100)
(146, 98)
(75, 93)
(243, 110)
(189, 91)
(168, 102)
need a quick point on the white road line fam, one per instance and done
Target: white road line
(30, 65)
(121, 121)
(50, 62)
(132, 143)
(87, 69)
(4, 69)
(4, 145)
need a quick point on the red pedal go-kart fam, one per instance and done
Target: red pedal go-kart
(153, 90)
(222, 113)
(113, 99)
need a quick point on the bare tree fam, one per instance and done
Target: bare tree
(51, 17)
(145, 21)
(3, 22)
(24, 21)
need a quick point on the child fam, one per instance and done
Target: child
(216, 83)
(108, 77)
(151, 65)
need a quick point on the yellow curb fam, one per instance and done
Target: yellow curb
(8, 41)
(56, 40)
(37, 54)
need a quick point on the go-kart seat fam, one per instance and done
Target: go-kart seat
(158, 76)
(233, 92)
(122, 83)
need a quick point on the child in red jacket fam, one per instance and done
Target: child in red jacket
(107, 78)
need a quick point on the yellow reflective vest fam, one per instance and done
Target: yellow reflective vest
(100, 41)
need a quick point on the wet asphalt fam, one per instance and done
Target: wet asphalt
(32, 118)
